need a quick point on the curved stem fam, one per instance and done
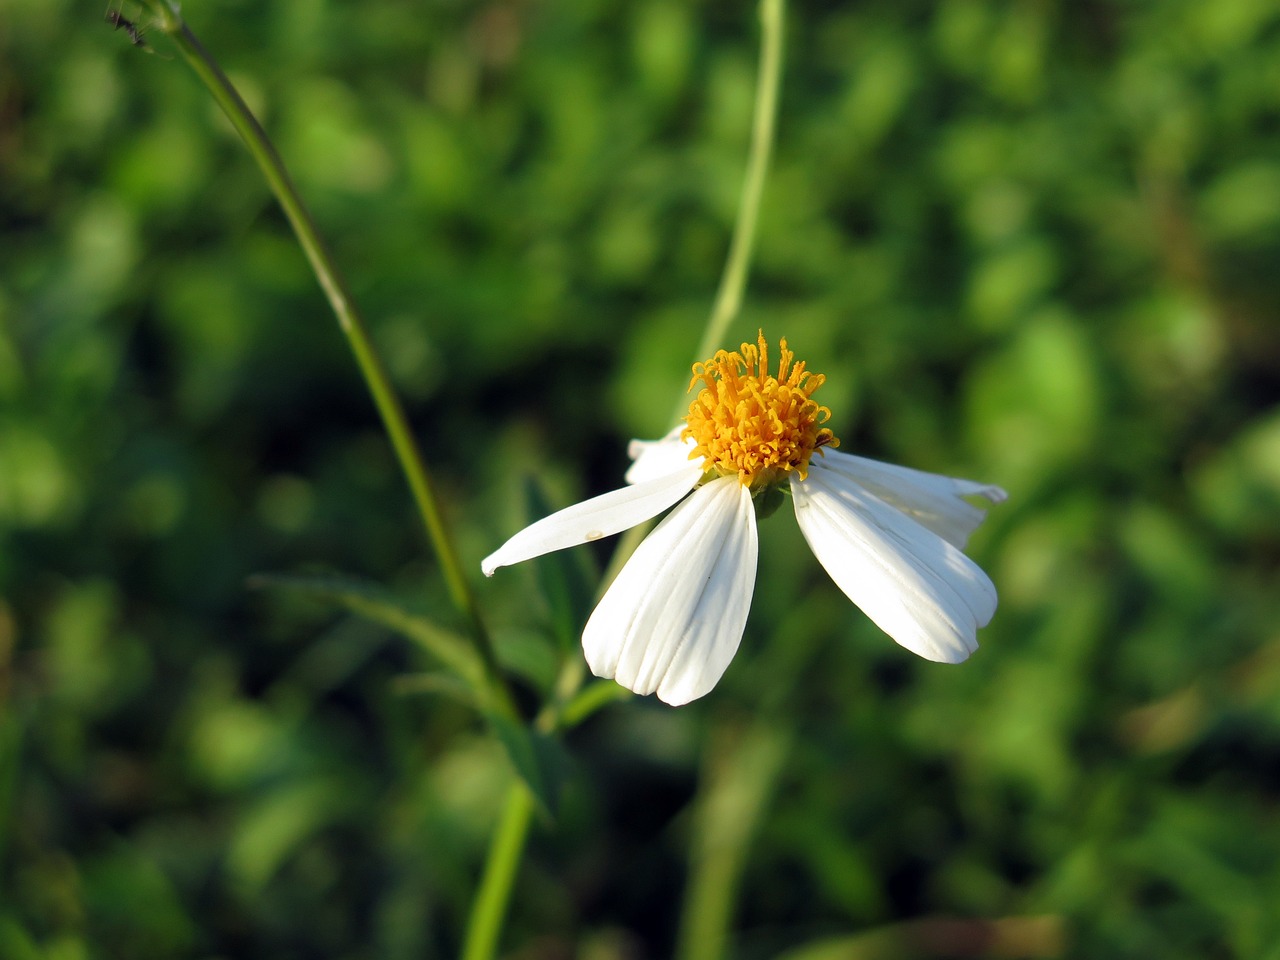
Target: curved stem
(509, 840)
(352, 324)
(734, 279)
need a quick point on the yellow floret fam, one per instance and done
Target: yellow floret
(754, 425)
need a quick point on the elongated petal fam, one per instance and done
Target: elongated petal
(657, 458)
(928, 498)
(917, 587)
(592, 519)
(674, 617)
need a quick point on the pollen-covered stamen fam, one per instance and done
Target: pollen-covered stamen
(751, 424)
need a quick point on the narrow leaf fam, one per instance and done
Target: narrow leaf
(375, 604)
(565, 577)
(538, 759)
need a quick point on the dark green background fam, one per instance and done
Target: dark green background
(1035, 243)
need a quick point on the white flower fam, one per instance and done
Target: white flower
(890, 537)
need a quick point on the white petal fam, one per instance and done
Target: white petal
(674, 617)
(657, 458)
(915, 586)
(928, 498)
(592, 519)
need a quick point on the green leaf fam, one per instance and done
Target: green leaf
(590, 699)
(566, 578)
(528, 654)
(375, 604)
(539, 760)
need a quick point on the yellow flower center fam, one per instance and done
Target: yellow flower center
(754, 425)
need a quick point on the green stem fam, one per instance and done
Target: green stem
(490, 907)
(349, 319)
(734, 279)
(508, 842)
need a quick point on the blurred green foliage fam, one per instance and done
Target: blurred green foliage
(1034, 243)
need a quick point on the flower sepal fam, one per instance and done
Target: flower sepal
(768, 499)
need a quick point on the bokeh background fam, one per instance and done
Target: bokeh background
(1035, 243)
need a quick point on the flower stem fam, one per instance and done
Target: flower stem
(350, 321)
(734, 279)
(505, 852)
(508, 842)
